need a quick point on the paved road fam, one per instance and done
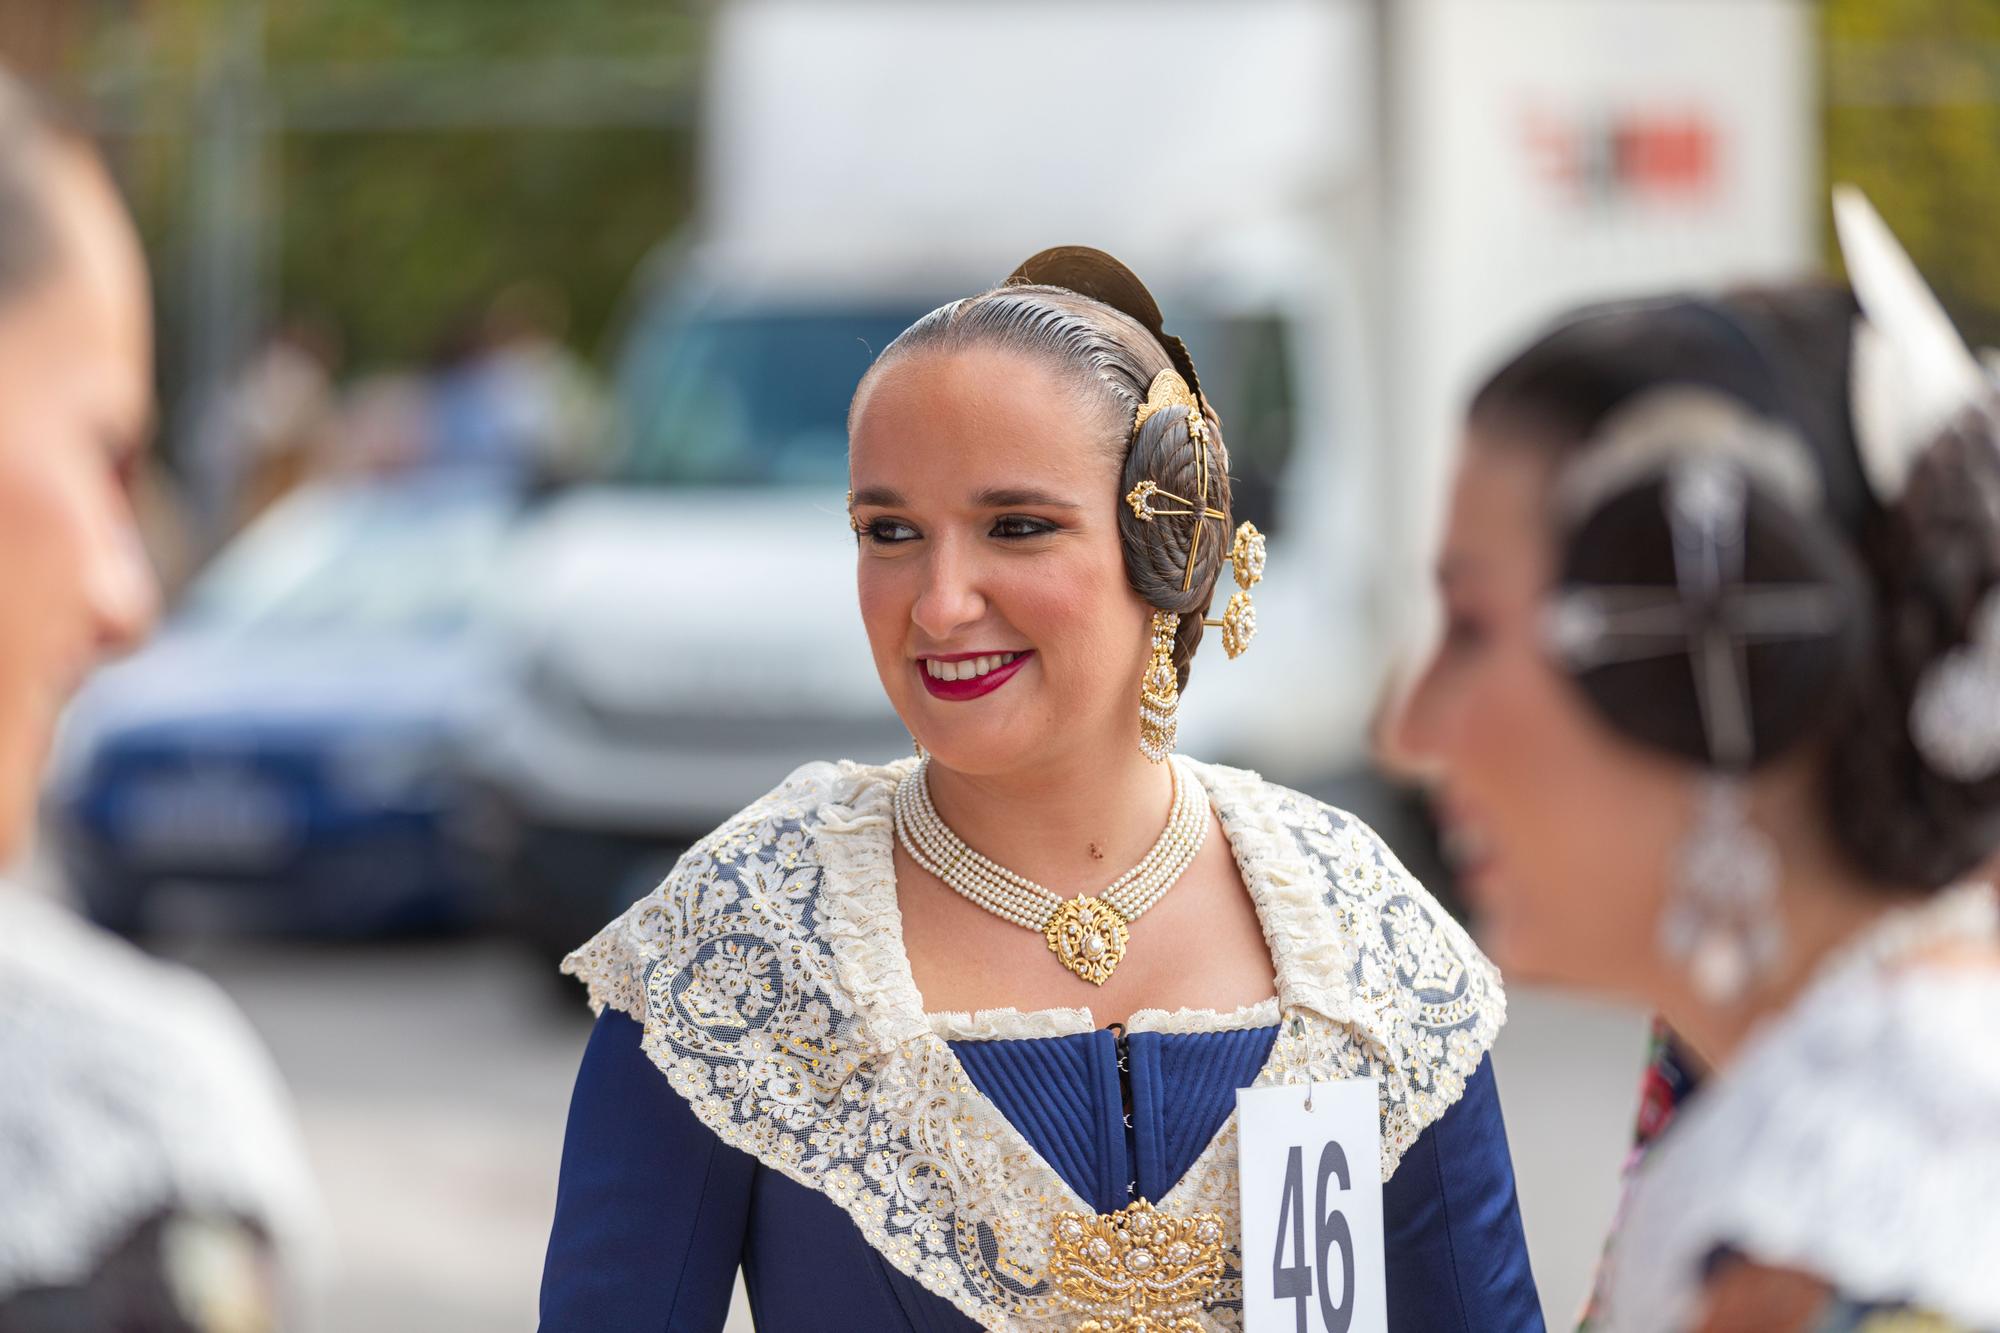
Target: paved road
(433, 1080)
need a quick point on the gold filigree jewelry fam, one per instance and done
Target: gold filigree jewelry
(1160, 693)
(852, 521)
(1138, 1270)
(1140, 499)
(1239, 618)
(1167, 390)
(1246, 556)
(1088, 936)
(1238, 625)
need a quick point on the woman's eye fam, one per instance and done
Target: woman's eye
(1018, 526)
(889, 531)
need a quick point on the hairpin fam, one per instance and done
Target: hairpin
(1170, 390)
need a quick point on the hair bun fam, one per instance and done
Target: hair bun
(1937, 559)
(1091, 272)
(1165, 452)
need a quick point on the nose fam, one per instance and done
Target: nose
(123, 591)
(950, 598)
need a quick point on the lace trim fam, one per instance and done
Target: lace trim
(1262, 1014)
(770, 975)
(1010, 1024)
(1857, 1137)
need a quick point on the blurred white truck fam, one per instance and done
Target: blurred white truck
(1348, 208)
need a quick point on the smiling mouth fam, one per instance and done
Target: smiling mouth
(970, 677)
(969, 669)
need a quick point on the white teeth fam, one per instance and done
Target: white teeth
(970, 669)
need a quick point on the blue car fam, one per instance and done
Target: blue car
(282, 757)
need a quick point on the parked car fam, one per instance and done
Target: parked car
(281, 755)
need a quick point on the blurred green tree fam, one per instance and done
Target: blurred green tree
(411, 160)
(1912, 97)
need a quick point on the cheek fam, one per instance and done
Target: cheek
(44, 530)
(1583, 825)
(884, 599)
(1084, 618)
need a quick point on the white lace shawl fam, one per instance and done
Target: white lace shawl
(770, 976)
(1856, 1138)
(128, 1086)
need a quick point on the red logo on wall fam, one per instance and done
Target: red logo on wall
(1625, 156)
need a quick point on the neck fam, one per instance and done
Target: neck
(1073, 825)
(1824, 909)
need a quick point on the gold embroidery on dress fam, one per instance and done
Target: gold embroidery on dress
(1136, 1271)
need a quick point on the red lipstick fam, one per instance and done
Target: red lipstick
(959, 690)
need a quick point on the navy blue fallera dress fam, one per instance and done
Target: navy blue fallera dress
(655, 1214)
(764, 1092)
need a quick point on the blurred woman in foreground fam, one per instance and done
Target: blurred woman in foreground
(1717, 725)
(149, 1179)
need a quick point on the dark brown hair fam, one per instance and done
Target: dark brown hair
(1112, 360)
(1922, 564)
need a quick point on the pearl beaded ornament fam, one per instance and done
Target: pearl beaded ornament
(1087, 933)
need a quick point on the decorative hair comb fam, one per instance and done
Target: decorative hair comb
(1246, 553)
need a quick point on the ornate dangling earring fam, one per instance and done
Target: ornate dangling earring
(1159, 692)
(1721, 921)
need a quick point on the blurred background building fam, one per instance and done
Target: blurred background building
(504, 355)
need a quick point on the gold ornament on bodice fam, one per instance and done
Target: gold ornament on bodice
(1138, 1270)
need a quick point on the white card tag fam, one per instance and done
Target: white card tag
(1310, 1161)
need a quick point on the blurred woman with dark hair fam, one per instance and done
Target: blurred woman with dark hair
(1716, 722)
(150, 1180)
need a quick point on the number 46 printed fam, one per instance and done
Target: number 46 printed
(1309, 1162)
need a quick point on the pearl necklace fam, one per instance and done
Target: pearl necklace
(1087, 933)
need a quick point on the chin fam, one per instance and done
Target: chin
(964, 750)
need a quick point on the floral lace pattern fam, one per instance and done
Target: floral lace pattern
(1856, 1138)
(769, 973)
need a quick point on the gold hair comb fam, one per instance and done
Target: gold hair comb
(1246, 553)
(1170, 390)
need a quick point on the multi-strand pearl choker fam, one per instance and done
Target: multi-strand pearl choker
(1087, 933)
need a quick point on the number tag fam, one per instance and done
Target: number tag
(1310, 1162)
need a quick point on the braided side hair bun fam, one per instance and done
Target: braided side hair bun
(1173, 561)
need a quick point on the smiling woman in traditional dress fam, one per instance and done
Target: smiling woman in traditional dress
(876, 1034)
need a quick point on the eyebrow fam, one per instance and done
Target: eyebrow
(1021, 497)
(993, 497)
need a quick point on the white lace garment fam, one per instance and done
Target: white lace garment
(770, 976)
(129, 1087)
(1856, 1138)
